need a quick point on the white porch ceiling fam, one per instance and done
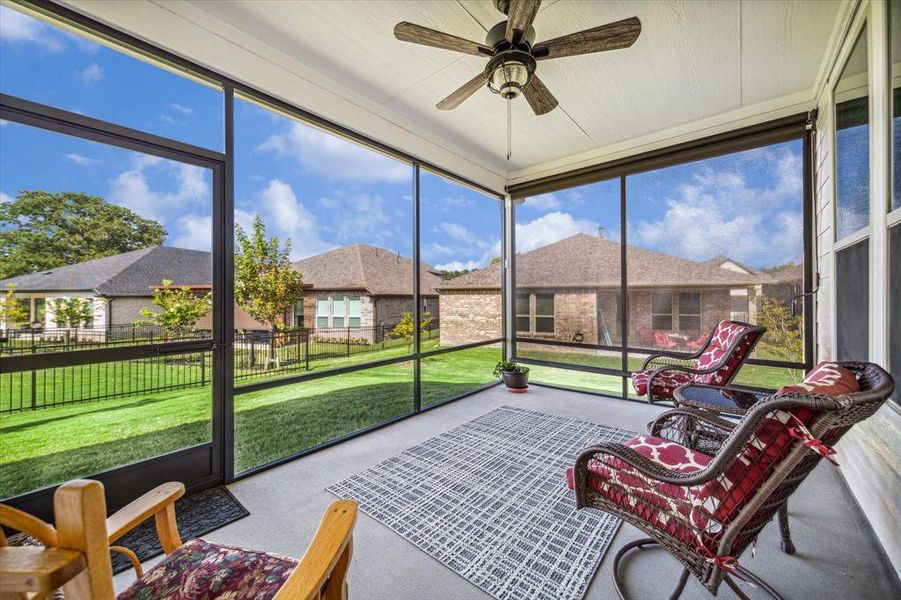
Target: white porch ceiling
(697, 66)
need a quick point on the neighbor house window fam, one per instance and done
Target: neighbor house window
(522, 313)
(322, 313)
(354, 312)
(662, 310)
(690, 311)
(338, 312)
(298, 313)
(544, 313)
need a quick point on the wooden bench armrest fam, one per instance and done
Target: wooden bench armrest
(158, 503)
(327, 557)
(36, 570)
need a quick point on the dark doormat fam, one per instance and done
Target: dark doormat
(197, 515)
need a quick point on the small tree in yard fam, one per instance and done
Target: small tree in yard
(71, 312)
(11, 310)
(784, 336)
(179, 308)
(266, 284)
(405, 330)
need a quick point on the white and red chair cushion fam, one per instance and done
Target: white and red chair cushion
(724, 335)
(665, 383)
(826, 378)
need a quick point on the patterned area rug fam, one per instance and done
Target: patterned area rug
(197, 515)
(489, 500)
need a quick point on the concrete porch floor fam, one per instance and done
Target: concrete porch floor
(837, 556)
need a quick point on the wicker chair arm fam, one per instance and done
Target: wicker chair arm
(684, 369)
(669, 418)
(664, 355)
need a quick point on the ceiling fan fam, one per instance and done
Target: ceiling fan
(513, 54)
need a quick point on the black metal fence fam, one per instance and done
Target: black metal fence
(64, 339)
(257, 354)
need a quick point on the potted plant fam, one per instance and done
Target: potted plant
(515, 377)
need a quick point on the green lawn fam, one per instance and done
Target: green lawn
(49, 445)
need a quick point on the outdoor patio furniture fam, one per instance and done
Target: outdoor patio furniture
(695, 342)
(716, 363)
(75, 553)
(663, 340)
(645, 336)
(707, 509)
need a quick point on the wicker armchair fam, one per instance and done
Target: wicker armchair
(707, 509)
(715, 363)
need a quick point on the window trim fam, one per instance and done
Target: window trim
(699, 315)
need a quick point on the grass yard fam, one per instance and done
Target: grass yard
(46, 446)
(49, 445)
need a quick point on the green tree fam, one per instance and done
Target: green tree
(42, 230)
(71, 312)
(266, 283)
(405, 330)
(12, 312)
(179, 308)
(784, 338)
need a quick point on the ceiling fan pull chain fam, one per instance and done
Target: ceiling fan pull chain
(509, 129)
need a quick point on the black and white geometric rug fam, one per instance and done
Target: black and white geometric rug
(489, 500)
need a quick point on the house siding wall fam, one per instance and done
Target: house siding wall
(870, 452)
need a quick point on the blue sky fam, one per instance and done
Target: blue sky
(323, 192)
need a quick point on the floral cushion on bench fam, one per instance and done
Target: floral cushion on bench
(201, 570)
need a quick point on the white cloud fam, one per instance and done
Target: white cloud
(287, 218)
(166, 119)
(3, 122)
(4, 197)
(195, 232)
(459, 266)
(721, 213)
(549, 228)
(79, 159)
(461, 234)
(542, 202)
(333, 157)
(91, 74)
(181, 108)
(18, 28)
(132, 189)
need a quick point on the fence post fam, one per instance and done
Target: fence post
(347, 341)
(34, 378)
(203, 368)
(306, 351)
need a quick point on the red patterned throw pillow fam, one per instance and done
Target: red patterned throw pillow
(828, 379)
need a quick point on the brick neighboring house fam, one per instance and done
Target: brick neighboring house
(363, 288)
(570, 291)
(355, 287)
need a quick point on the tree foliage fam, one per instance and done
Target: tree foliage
(42, 230)
(405, 330)
(266, 284)
(71, 312)
(12, 312)
(180, 309)
(784, 337)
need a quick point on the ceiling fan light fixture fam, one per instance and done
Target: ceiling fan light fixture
(509, 72)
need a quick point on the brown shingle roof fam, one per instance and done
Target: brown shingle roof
(377, 271)
(587, 261)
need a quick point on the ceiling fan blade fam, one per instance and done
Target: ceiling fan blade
(417, 34)
(538, 96)
(462, 93)
(520, 15)
(612, 36)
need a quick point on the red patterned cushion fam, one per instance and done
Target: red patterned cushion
(666, 506)
(724, 335)
(826, 378)
(200, 570)
(665, 383)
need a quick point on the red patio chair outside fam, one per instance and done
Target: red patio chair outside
(661, 340)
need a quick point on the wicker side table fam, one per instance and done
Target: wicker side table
(725, 401)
